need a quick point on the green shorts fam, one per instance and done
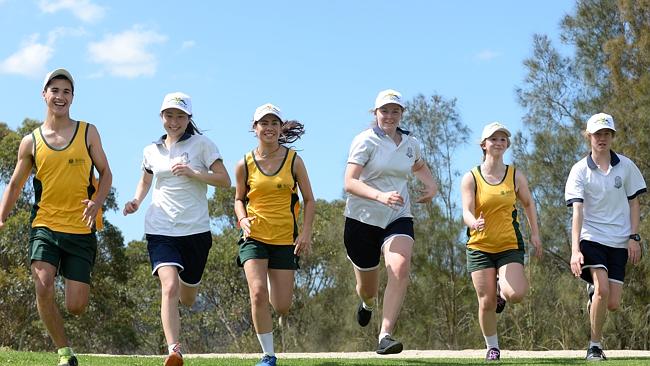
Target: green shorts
(477, 260)
(279, 256)
(72, 254)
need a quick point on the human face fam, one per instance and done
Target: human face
(58, 97)
(496, 144)
(601, 140)
(388, 117)
(174, 122)
(268, 129)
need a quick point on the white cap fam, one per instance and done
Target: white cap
(493, 127)
(265, 109)
(57, 72)
(599, 121)
(177, 100)
(388, 96)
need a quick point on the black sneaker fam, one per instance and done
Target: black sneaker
(493, 354)
(594, 353)
(501, 302)
(363, 315)
(388, 346)
(590, 293)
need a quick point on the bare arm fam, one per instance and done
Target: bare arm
(21, 172)
(303, 241)
(140, 193)
(634, 247)
(217, 176)
(577, 260)
(467, 193)
(243, 220)
(423, 174)
(105, 177)
(527, 201)
(358, 188)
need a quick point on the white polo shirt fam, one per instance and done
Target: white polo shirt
(386, 167)
(605, 195)
(179, 205)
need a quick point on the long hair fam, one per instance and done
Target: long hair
(191, 128)
(292, 130)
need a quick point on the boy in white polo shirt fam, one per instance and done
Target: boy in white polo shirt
(603, 189)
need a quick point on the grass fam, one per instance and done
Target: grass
(14, 358)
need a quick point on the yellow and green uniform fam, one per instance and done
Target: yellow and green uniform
(497, 202)
(273, 200)
(64, 177)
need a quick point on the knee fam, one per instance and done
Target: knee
(401, 271)
(282, 309)
(170, 290)
(76, 307)
(487, 303)
(515, 297)
(259, 296)
(612, 305)
(44, 289)
(188, 300)
(602, 293)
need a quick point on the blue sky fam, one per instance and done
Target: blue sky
(321, 62)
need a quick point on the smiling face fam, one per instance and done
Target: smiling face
(601, 140)
(174, 122)
(268, 129)
(58, 97)
(388, 117)
(496, 144)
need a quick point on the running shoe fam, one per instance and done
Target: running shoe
(267, 361)
(66, 357)
(363, 315)
(595, 353)
(388, 346)
(493, 354)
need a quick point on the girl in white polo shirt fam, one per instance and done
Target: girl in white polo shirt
(378, 217)
(177, 224)
(603, 189)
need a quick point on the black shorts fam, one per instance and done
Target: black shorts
(189, 253)
(596, 255)
(364, 242)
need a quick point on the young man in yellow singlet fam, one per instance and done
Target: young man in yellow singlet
(67, 210)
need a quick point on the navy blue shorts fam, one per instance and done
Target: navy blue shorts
(188, 253)
(364, 242)
(596, 255)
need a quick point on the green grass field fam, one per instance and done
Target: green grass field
(14, 358)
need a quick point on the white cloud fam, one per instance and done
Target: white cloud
(82, 9)
(29, 60)
(487, 55)
(126, 54)
(186, 44)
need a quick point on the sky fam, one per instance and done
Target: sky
(322, 62)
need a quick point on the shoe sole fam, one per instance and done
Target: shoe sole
(174, 360)
(392, 349)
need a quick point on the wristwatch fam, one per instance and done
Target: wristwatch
(635, 237)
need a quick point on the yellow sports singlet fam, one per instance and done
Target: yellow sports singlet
(497, 202)
(64, 178)
(273, 201)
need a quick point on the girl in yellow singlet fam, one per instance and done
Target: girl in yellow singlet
(267, 208)
(495, 248)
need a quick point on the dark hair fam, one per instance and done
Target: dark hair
(191, 128)
(292, 130)
(59, 77)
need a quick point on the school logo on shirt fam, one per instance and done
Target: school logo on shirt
(76, 161)
(618, 182)
(507, 191)
(409, 152)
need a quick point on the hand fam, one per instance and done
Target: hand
(539, 252)
(427, 194)
(180, 169)
(479, 224)
(90, 212)
(131, 207)
(303, 244)
(245, 224)
(634, 251)
(391, 199)
(577, 260)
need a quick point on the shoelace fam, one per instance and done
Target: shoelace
(493, 354)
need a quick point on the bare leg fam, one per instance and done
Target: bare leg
(598, 312)
(513, 282)
(397, 257)
(256, 275)
(485, 284)
(170, 288)
(281, 283)
(44, 274)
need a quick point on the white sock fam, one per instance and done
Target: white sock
(366, 306)
(266, 341)
(382, 335)
(492, 341)
(597, 344)
(174, 347)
